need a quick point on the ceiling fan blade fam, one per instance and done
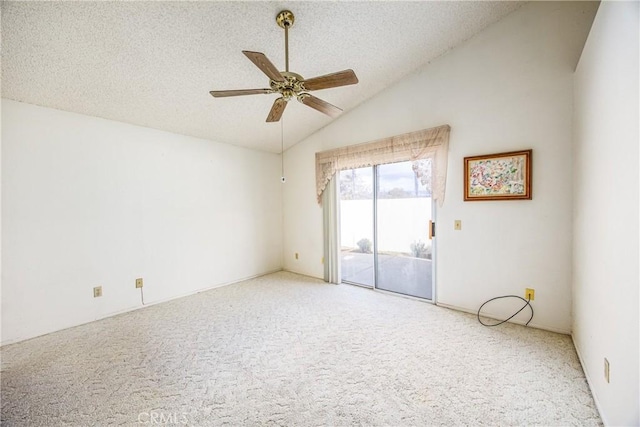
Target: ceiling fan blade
(319, 104)
(223, 93)
(341, 78)
(276, 111)
(264, 64)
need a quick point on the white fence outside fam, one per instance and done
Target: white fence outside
(401, 222)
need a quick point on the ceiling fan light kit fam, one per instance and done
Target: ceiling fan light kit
(288, 84)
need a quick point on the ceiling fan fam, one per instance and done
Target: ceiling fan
(291, 85)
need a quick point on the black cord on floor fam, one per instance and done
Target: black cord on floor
(526, 304)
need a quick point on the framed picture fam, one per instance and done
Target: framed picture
(502, 176)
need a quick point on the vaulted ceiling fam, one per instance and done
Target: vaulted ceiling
(153, 63)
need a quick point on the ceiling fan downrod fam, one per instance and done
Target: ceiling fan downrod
(285, 20)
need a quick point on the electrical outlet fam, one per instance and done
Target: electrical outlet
(296, 255)
(606, 370)
(529, 294)
(139, 283)
(97, 291)
(457, 224)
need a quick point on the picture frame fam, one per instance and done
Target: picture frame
(500, 176)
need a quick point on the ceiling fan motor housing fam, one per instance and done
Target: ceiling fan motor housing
(290, 87)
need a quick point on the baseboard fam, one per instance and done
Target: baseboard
(497, 317)
(589, 382)
(205, 289)
(138, 307)
(302, 274)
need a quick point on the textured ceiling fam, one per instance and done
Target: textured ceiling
(154, 63)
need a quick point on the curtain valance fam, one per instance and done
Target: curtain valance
(424, 144)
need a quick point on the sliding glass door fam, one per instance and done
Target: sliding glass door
(403, 249)
(385, 215)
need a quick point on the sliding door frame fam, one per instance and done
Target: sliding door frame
(375, 187)
(375, 225)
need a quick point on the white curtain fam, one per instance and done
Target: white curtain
(331, 220)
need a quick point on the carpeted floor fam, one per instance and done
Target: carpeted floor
(288, 350)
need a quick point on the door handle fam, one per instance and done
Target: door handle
(432, 229)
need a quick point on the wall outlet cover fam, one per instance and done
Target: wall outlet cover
(529, 294)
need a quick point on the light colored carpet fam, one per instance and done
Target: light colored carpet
(288, 350)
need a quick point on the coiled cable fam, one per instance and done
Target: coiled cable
(526, 304)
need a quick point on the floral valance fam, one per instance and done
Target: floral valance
(424, 144)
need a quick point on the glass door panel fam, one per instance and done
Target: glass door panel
(356, 226)
(403, 210)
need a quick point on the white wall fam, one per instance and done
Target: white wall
(88, 202)
(606, 280)
(508, 88)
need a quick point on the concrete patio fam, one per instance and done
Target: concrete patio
(397, 273)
